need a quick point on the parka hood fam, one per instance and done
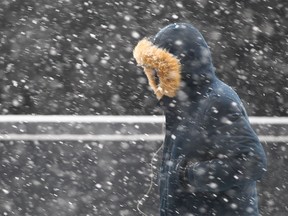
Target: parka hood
(188, 45)
(177, 57)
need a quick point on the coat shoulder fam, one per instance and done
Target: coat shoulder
(224, 106)
(224, 98)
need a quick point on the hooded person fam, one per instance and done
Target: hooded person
(212, 158)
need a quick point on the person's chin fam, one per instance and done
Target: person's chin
(164, 102)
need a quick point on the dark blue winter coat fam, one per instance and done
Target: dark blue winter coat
(212, 157)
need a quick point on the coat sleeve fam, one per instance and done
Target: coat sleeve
(239, 157)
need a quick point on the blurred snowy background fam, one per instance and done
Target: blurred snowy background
(75, 57)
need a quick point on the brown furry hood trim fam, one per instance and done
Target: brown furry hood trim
(167, 66)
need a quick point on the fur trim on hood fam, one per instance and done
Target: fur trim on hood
(166, 66)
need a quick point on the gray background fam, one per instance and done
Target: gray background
(75, 56)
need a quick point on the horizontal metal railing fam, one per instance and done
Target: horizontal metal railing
(113, 128)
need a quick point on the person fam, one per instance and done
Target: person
(212, 158)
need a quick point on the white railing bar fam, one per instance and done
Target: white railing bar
(115, 119)
(81, 118)
(83, 137)
(108, 137)
(268, 120)
(273, 138)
